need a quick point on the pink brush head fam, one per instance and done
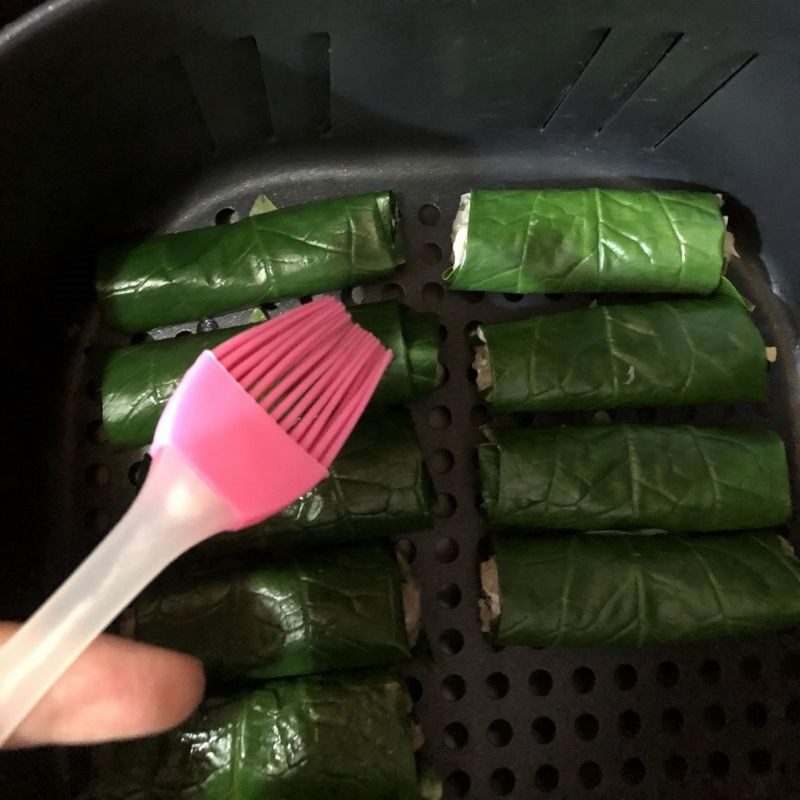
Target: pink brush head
(262, 417)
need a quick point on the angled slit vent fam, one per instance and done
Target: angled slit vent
(582, 66)
(736, 70)
(318, 66)
(671, 40)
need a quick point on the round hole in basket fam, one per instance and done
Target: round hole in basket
(430, 253)
(497, 685)
(446, 505)
(97, 475)
(499, 733)
(714, 717)
(760, 761)
(626, 677)
(710, 671)
(543, 730)
(668, 674)
(633, 771)
(629, 723)
(583, 680)
(446, 550)
(672, 721)
(719, 764)
(546, 778)
(792, 713)
(429, 214)
(440, 417)
(587, 727)
(456, 736)
(449, 595)
(540, 682)
(757, 715)
(590, 774)
(675, 768)
(451, 641)
(432, 292)
(226, 216)
(457, 783)
(453, 687)
(441, 461)
(502, 781)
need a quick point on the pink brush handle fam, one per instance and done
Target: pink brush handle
(174, 511)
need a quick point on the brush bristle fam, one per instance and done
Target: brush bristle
(312, 369)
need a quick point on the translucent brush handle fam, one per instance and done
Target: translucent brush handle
(174, 511)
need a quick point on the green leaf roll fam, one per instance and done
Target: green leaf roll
(294, 251)
(344, 737)
(630, 590)
(340, 608)
(378, 486)
(588, 240)
(136, 381)
(682, 352)
(666, 477)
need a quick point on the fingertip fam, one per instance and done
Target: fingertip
(117, 689)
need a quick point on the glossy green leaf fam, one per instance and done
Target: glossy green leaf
(379, 486)
(629, 590)
(681, 352)
(136, 381)
(343, 737)
(413, 337)
(668, 477)
(334, 609)
(291, 252)
(589, 240)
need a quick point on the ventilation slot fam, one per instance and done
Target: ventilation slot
(749, 60)
(318, 61)
(631, 86)
(583, 65)
(229, 86)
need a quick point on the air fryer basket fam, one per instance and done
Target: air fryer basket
(123, 118)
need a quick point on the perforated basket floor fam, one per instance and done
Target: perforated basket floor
(716, 720)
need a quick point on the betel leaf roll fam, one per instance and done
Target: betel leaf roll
(342, 737)
(137, 380)
(331, 609)
(291, 252)
(678, 352)
(378, 487)
(667, 477)
(598, 590)
(588, 240)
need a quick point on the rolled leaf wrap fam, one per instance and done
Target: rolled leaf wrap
(588, 240)
(136, 381)
(291, 252)
(681, 352)
(667, 477)
(335, 609)
(631, 590)
(345, 737)
(378, 486)
(413, 337)
(675, 353)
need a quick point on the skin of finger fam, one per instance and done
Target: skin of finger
(117, 689)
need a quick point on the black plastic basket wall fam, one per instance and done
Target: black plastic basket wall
(123, 118)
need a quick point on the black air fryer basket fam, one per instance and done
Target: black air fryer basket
(123, 118)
